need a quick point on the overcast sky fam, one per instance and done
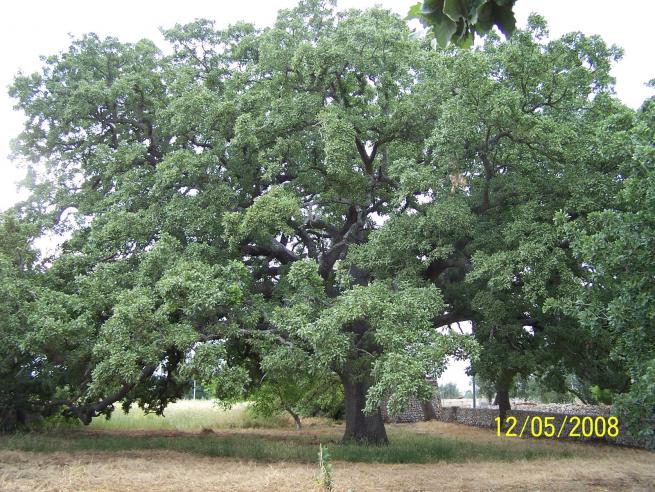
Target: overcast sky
(32, 28)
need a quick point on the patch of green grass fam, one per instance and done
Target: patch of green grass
(405, 447)
(191, 416)
(195, 416)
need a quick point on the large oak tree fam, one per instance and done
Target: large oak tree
(315, 197)
(212, 197)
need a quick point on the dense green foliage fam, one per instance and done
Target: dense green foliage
(268, 210)
(616, 299)
(211, 198)
(300, 395)
(20, 394)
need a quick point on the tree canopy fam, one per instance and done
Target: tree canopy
(321, 197)
(616, 301)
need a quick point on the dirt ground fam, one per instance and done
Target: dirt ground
(606, 468)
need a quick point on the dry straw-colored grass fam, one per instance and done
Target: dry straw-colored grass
(190, 415)
(592, 467)
(170, 471)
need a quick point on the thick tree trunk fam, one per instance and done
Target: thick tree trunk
(428, 411)
(13, 419)
(502, 400)
(8, 419)
(502, 396)
(360, 427)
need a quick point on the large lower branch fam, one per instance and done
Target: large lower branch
(460, 264)
(330, 257)
(87, 411)
(274, 250)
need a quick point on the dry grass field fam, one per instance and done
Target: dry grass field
(170, 471)
(503, 464)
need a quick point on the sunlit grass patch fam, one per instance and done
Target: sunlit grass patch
(405, 447)
(204, 428)
(190, 416)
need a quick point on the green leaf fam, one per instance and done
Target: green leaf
(444, 32)
(444, 28)
(485, 14)
(505, 20)
(455, 9)
(467, 40)
(432, 6)
(473, 11)
(414, 12)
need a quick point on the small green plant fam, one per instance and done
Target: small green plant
(602, 395)
(324, 476)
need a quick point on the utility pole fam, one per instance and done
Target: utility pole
(194, 389)
(473, 390)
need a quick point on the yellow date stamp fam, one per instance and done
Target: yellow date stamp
(570, 426)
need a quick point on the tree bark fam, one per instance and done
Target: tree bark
(502, 399)
(13, 418)
(360, 427)
(8, 419)
(296, 417)
(428, 411)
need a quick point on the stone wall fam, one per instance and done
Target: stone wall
(486, 417)
(414, 411)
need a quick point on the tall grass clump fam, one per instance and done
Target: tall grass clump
(191, 416)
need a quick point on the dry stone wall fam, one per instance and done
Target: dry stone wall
(414, 411)
(486, 417)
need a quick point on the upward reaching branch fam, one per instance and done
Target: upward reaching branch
(367, 158)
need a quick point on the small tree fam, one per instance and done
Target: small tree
(299, 396)
(449, 390)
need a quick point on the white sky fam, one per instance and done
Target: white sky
(38, 27)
